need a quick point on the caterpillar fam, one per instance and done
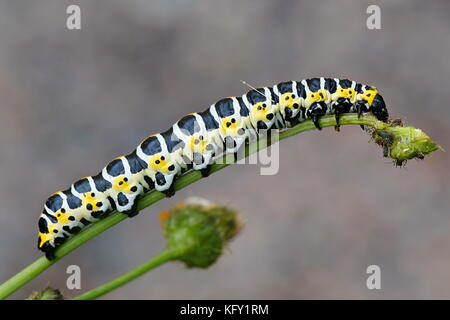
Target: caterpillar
(192, 143)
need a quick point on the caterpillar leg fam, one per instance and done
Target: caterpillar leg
(125, 191)
(50, 255)
(206, 171)
(169, 192)
(342, 105)
(202, 163)
(48, 249)
(164, 184)
(361, 107)
(112, 203)
(132, 212)
(230, 144)
(147, 184)
(316, 111)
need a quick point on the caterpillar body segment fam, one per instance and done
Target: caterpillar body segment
(231, 132)
(194, 142)
(161, 167)
(124, 175)
(290, 105)
(199, 145)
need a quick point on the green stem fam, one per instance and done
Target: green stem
(41, 264)
(165, 256)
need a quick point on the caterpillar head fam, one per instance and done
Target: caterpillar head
(378, 108)
(48, 236)
(262, 115)
(45, 245)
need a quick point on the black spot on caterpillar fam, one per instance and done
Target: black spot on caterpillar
(192, 143)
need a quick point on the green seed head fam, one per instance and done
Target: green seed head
(405, 143)
(46, 294)
(199, 231)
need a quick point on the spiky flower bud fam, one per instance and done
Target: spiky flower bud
(199, 230)
(46, 294)
(404, 143)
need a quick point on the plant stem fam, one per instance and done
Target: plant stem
(41, 264)
(165, 256)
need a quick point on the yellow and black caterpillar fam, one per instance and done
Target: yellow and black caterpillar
(192, 143)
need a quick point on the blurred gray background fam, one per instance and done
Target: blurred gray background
(73, 100)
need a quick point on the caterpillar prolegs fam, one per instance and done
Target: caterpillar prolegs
(192, 143)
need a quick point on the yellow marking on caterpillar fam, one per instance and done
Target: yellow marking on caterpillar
(351, 93)
(88, 198)
(157, 163)
(368, 96)
(44, 237)
(62, 217)
(319, 95)
(287, 100)
(259, 111)
(230, 127)
(116, 158)
(348, 93)
(196, 144)
(121, 183)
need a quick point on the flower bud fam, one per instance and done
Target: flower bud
(199, 231)
(46, 294)
(404, 143)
